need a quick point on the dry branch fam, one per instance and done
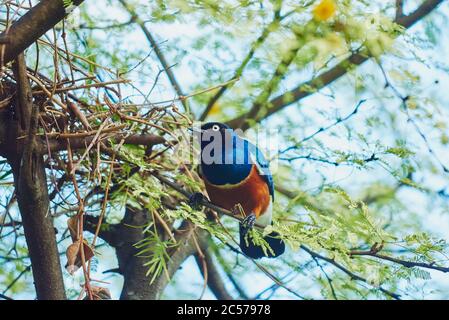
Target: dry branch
(31, 26)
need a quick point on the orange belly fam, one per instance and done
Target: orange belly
(252, 194)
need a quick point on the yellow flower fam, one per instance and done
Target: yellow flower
(215, 110)
(324, 10)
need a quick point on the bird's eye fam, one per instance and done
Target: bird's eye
(215, 127)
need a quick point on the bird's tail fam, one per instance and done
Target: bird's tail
(256, 252)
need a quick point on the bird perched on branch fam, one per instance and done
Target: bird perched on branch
(236, 174)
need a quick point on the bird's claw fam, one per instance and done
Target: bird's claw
(196, 200)
(237, 210)
(249, 222)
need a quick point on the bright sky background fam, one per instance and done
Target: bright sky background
(188, 282)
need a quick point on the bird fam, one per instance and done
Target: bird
(236, 174)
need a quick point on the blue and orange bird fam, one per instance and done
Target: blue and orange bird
(235, 172)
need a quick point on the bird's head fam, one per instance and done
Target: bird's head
(214, 137)
(211, 129)
(213, 132)
(214, 127)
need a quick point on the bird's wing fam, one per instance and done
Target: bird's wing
(263, 166)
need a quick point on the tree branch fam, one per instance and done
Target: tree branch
(405, 263)
(327, 77)
(157, 50)
(266, 31)
(31, 26)
(329, 279)
(260, 104)
(108, 232)
(132, 265)
(237, 287)
(32, 197)
(399, 9)
(204, 201)
(5, 297)
(82, 142)
(349, 273)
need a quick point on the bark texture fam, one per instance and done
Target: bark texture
(31, 26)
(31, 190)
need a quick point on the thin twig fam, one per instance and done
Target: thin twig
(349, 273)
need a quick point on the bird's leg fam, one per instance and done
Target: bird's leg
(248, 223)
(237, 210)
(196, 200)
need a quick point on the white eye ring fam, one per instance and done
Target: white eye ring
(215, 127)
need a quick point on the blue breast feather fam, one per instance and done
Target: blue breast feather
(236, 164)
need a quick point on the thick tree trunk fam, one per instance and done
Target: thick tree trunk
(31, 190)
(137, 284)
(27, 164)
(126, 234)
(32, 198)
